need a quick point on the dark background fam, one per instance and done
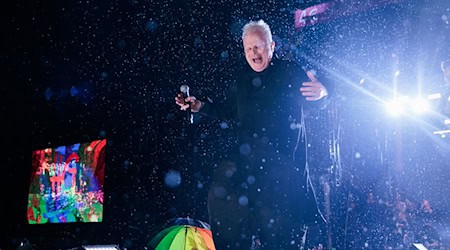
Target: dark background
(77, 71)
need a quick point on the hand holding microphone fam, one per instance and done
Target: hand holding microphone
(187, 102)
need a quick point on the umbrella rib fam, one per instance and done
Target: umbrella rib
(185, 236)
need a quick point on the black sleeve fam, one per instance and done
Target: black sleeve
(224, 110)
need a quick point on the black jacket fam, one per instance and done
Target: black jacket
(268, 109)
(267, 105)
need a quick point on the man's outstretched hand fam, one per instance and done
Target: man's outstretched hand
(314, 89)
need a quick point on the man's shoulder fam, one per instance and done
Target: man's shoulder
(241, 70)
(289, 65)
(290, 68)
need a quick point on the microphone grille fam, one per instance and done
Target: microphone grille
(184, 88)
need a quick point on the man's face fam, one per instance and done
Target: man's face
(447, 74)
(258, 51)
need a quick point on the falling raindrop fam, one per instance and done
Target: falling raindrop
(251, 179)
(151, 25)
(256, 81)
(243, 200)
(172, 179)
(245, 149)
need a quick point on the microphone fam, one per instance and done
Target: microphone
(185, 90)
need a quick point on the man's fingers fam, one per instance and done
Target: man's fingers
(180, 100)
(311, 76)
(311, 90)
(184, 103)
(190, 102)
(308, 89)
(309, 84)
(308, 93)
(190, 99)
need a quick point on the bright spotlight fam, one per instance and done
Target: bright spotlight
(434, 96)
(397, 106)
(419, 106)
(403, 105)
(394, 108)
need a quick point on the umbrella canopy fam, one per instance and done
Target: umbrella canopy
(184, 234)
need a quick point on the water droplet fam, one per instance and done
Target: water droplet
(172, 179)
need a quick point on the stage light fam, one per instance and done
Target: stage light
(403, 105)
(73, 91)
(442, 133)
(101, 247)
(419, 105)
(434, 96)
(397, 106)
(447, 121)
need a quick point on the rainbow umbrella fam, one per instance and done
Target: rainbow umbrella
(184, 234)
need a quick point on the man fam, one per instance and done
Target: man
(261, 194)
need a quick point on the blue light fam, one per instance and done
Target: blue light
(151, 25)
(74, 91)
(48, 94)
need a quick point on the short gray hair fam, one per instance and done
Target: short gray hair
(257, 26)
